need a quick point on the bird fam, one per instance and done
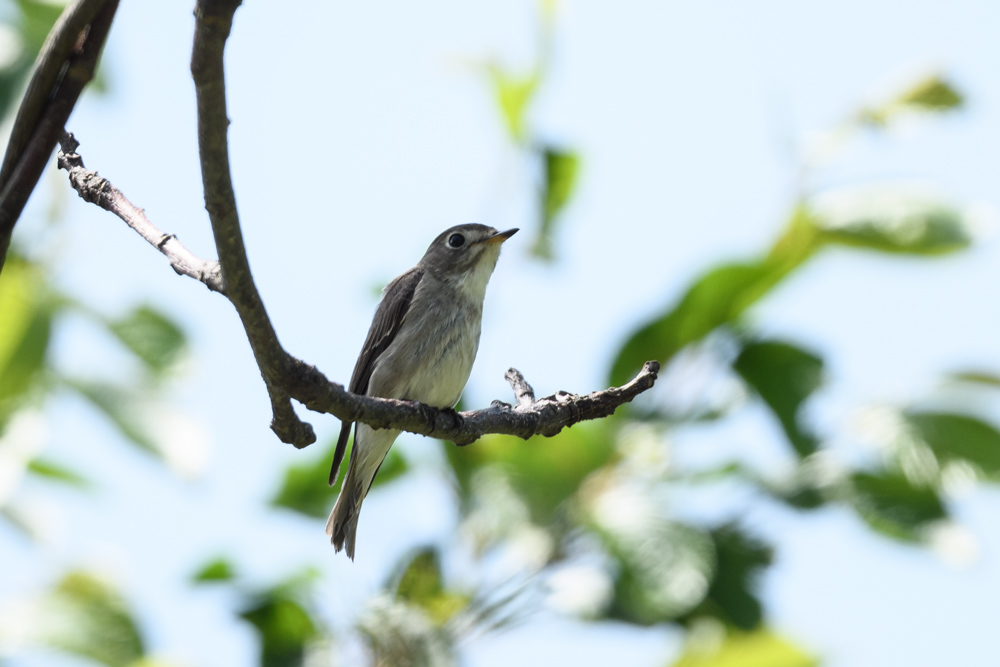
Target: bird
(421, 346)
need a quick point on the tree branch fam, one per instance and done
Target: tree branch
(64, 66)
(213, 21)
(304, 383)
(285, 376)
(98, 190)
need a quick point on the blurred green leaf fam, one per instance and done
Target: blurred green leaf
(544, 471)
(284, 626)
(784, 376)
(121, 407)
(86, 617)
(893, 505)
(214, 571)
(664, 570)
(151, 336)
(761, 648)
(38, 17)
(560, 169)
(895, 220)
(304, 486)
(717, 298)
(422, 585)
(959, 437)
(740, 561)
(933, 94)
(513, 94)
(56, 472)
(984, 378)
(25, 328)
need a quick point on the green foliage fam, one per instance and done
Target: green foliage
(57, 473)
(84, 616)
(891, 221)
(559, 176)
(739, 560)
(955, 437)
(215, 571)
(421, 585)
(933, 94)
(894, 505)
(761, 648)
(151, 336)
(717, 298)
(513, 95)
(544, 471)
(663, 567)
(784, 376)
(284, 626)
(304, 488)
(24, 332)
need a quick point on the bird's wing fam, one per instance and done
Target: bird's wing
(396, 299)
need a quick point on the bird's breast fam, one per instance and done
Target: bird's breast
(432, 356)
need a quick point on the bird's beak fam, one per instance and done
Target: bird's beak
(500, 237)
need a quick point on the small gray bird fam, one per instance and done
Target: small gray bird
(420, 347)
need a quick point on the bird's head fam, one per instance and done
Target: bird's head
(466, 255)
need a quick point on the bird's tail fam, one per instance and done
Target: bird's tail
(342, 526)
(370, 448)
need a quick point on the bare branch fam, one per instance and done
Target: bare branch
(64, 66)
(307, 385)
(213, 21)
(547, 416)
(98, 190)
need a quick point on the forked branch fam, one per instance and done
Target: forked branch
(304, 383)
(285, 376)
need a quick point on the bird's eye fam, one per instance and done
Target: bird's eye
(456, 241)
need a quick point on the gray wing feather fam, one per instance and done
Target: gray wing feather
(395, 303)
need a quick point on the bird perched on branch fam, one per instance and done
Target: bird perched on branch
(420, 347)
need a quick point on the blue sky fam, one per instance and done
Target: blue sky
(361, 130)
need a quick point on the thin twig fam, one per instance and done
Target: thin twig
(64, 66)
(523, 392)
(98, 190)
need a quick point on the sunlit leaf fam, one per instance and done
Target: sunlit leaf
(304, 486)
(717, 298)
(86, 617)
(892, 504)
(740, 561)
(421, 584)
(959, 437)
(761, 648)
(979, 377)
(559, 177)
(215, 571)
(784, 376)
(25, 328)
(544, 471)
(56, 472)
(934, 94)
(513, 94)
(897, 220)
(151, 336)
